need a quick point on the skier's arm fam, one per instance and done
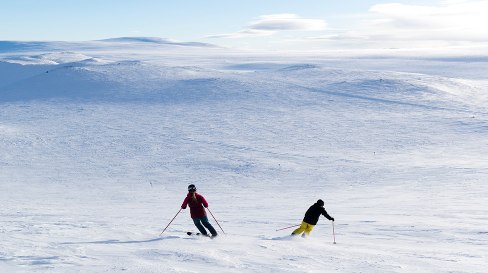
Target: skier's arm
(185, 202)
(204, 201)
(324, 213)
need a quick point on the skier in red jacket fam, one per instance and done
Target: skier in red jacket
(197, 204)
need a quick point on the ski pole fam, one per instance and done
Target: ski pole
(333, 232)
(216, 220)
(170, 222)
(287, 227)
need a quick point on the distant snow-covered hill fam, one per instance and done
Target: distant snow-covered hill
(156, 40)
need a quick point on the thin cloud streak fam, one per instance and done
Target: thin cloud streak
(284, 22)
(268, 25)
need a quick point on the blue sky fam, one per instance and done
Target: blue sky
(254, 24)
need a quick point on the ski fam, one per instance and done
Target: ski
(190, 233)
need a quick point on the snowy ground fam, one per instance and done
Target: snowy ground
(100, 140)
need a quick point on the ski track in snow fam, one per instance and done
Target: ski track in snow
(98, 149)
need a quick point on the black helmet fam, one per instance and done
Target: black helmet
(320, 202)
(192, 188)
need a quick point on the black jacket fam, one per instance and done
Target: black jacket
(313, 213)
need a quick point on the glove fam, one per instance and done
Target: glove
(332, 219)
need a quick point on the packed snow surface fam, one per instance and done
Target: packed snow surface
(99, 141)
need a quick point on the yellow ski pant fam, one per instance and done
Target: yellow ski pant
(304, 227)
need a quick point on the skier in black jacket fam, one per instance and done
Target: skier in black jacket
(311, 218)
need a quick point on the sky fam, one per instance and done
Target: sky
(254, 24)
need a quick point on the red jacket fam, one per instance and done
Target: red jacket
(197, 209)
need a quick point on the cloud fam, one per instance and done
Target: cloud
(267, 25)
(243, 33)
(283, 22)
(454, 20)
(448, 24)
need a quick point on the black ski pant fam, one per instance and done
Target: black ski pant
(203, 221)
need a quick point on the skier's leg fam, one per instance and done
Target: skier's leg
(308, 229)
(209, 226)
(299, 230)
(198, 224)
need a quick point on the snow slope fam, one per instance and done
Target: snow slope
(100, 142)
